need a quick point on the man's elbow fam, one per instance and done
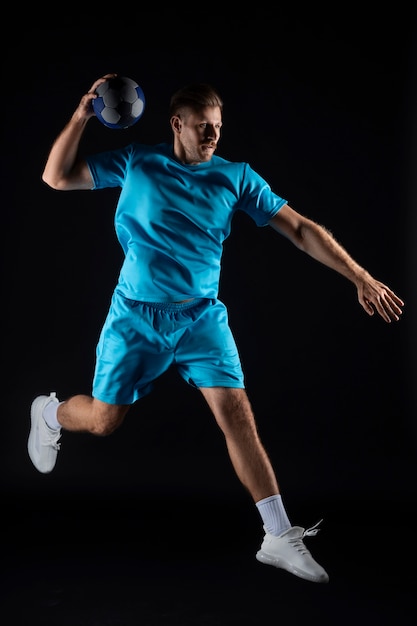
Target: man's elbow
(48, 180)
(58, 184)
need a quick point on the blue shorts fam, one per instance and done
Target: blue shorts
(141, 340)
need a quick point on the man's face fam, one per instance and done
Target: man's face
(196, 134)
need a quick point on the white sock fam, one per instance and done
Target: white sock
(273, 515)
(50, 415)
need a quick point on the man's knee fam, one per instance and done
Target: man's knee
(107, 418)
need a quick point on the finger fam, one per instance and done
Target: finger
(87, 99)
(367, 305)
(100, 81)
(396, 299)
(377, 305)
(391, 297)
(389, 310)
(393, 304)
(394, 307)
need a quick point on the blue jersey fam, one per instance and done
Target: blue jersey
(172, 219)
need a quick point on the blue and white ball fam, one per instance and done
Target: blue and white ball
(120, 102)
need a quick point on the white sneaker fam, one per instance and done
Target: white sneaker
(43, 443)
(289, 552)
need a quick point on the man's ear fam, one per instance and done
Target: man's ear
(176, 124)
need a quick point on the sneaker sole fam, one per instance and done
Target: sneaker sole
(265, 558)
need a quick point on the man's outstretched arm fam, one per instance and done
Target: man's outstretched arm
(316, 241)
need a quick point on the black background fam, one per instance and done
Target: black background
(323, 106)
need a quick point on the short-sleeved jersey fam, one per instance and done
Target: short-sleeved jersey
(172, 219)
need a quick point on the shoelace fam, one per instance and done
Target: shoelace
(53, 440)
(311, 532)
(298, 543)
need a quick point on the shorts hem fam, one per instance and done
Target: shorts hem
(218, 383)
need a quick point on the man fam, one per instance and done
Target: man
(174, 212)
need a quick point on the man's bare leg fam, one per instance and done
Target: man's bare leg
(283, 545)
(87, 414)
(80, 413)
(234, 415)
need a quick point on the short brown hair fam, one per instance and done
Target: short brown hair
(196, 96)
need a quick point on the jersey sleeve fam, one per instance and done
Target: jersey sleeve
(108, 169)
(257, 198)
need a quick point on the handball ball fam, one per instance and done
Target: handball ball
(120, 102)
